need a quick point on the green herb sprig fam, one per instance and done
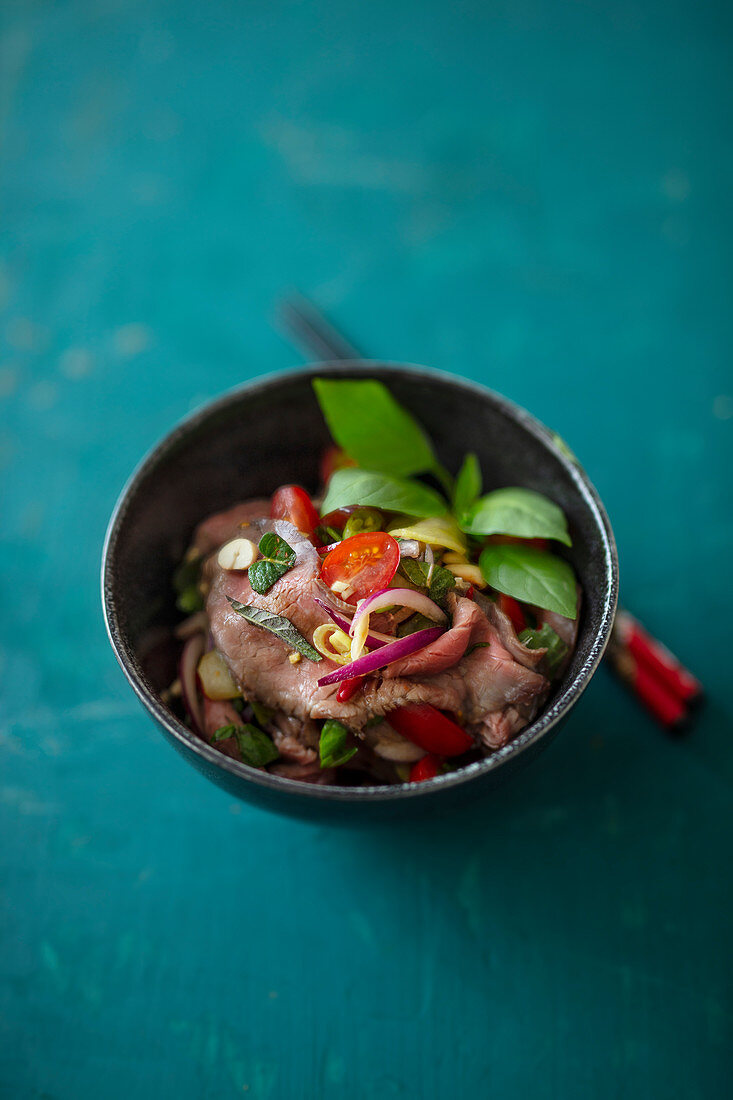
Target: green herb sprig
(277, 558)
(546, 638)
(255, 747)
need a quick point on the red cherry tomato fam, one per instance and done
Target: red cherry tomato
(337, 519)
(292, 503)
(430, 729)
(334, 459)
(365, 563)
(511, 608)
(427, 768)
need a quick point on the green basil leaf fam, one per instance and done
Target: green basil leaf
(262, 713)
(416, 622)
(441, 583)
(519, 512)
(533, 576)
(376, 490)
(415, 571)
(255, 747)
(468, 485)
(278, 625)
(332, 745)
(546, 638)
(364, 418)
(277, 558)
(224, 733)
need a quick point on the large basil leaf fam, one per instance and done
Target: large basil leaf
(468, 485)
(519, 512)
(372, 489)
(277, 558)
(364, 418)
(278, 625)
(531, 575)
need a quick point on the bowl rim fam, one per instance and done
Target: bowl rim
(531, 736)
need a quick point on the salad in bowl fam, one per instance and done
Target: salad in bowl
(400, 624)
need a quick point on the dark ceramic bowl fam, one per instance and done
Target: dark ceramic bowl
(271, 432)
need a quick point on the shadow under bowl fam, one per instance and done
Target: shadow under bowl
(270, 432)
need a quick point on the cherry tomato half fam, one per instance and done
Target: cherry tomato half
(365, 563)
(292, 503)
(426, 768)
(430, 729)
(513, 611)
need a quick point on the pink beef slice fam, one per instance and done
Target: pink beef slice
(478, 669)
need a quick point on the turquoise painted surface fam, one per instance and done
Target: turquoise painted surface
(536, 195)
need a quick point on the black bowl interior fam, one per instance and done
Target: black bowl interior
(271, 432)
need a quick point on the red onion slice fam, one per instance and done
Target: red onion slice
(387, 655)
(405, 597)
(192, 653)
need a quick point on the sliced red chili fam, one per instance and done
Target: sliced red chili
(427, 768)
(430, 729)
(348, 688)
(513, 611)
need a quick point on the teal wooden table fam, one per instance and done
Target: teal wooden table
(533, 194)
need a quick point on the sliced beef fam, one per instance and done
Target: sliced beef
(478, 668)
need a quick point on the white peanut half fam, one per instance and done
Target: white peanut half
(237, 554)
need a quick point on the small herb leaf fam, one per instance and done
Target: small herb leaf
(255, 747)
(546, 638)
(377, 490)
(224, 733)
(262, 713)
(442, 580)
(441, 583)
(519, 512)
(332, 745)
(416, 622)
(468, 485)
(278, 625)
(277, 558)
(533, 576)
(415, 571)
(364, 418)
